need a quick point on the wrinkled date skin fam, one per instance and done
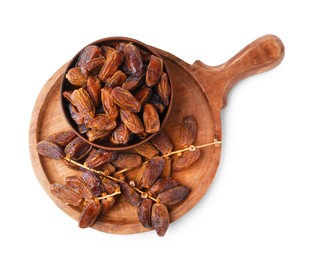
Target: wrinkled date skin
(77, 149)
(162, 185)
(116, 80)
(152, 171)
(127, 160)
(124, 99)
(162, 143)
(164, 89)
(76, 77)
(132, 121)
(110, 66)
(147, 150)
(109, 106)
(50, 150)
(65, 194)
(101, 122)
(143, 94)
(151, 119)
(62, 138)
(144, 212)
(160, 218)
(134, 61)
(90, 52)
(173, 195)
(99, 157)
(131, 195)
(93, 87)
(77, 183)
(83, 102)
(121, 134)
(93, 182)
(154, 71)
(188, 131)
(187, 159)
(90, 213)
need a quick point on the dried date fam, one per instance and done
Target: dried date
(144, 212)
(93, 88)
(110, 66)
(76, 77)
(130, 194)
(162, 185)
(151, 172)
(187, 159)
(173, 195)
(164, 90)
(99, 157)
(110, 108)
(90, 52)
(188, 131)
(77, 149)
(147, 150)
(77, 183)
(62, 138)
(127, 160)
(154, 71)
(101, 122)
(93, 182)
(124, 99)
(160, 218)
(116, 80)
(151, 119)
(162, 143)
(134, 61)
(83, 102)
(121, 134)
(90, 213)
(132, 121)
(65, 194)
(50, 150)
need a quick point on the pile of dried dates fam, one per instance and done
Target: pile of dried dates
(118, 93)
(142, 175)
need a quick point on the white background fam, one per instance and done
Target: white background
(261, 203)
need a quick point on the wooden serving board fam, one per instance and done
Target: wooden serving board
(199, 90)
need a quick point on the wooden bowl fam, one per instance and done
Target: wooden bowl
(66, 86)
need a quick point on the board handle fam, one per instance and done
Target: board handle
(259, 56)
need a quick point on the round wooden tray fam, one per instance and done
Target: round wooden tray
(199, 90)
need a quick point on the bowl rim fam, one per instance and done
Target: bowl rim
(64, 102)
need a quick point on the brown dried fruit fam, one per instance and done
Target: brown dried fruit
(94, 135)
(107, 50)
(65, 194)
(109, 106)
(110, 66)
(127, 160)
(124, 99)
(162, 185)
(82, 129)
(94, 182)
(187, 159)
(133, 58)
(83, 102)
(90, 213)
(133, 81)
(162, 143)
(143, 94)
(144, 212)
(75, 115)
(67, 95)
(93, 88)
(159, 107)
(108, 168)
(160, 218)
(147, 150)
(50, 150)
(93, 67)
(107, 204)
(188, 131)
(121, 46)
(167, 171)
(164, 90)
(99, 157)
(154, 71)
(110, 186)
(90, 52)
(76, 77)
(121, 134)
(132, 121)
(131, 195)
(173, 195)
(152, 171)
(151, 119)
(77, 149)
(62, 138)
(77, 183)
(116, 80)
(101, 122)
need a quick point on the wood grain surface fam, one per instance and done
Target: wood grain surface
(199, 90)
